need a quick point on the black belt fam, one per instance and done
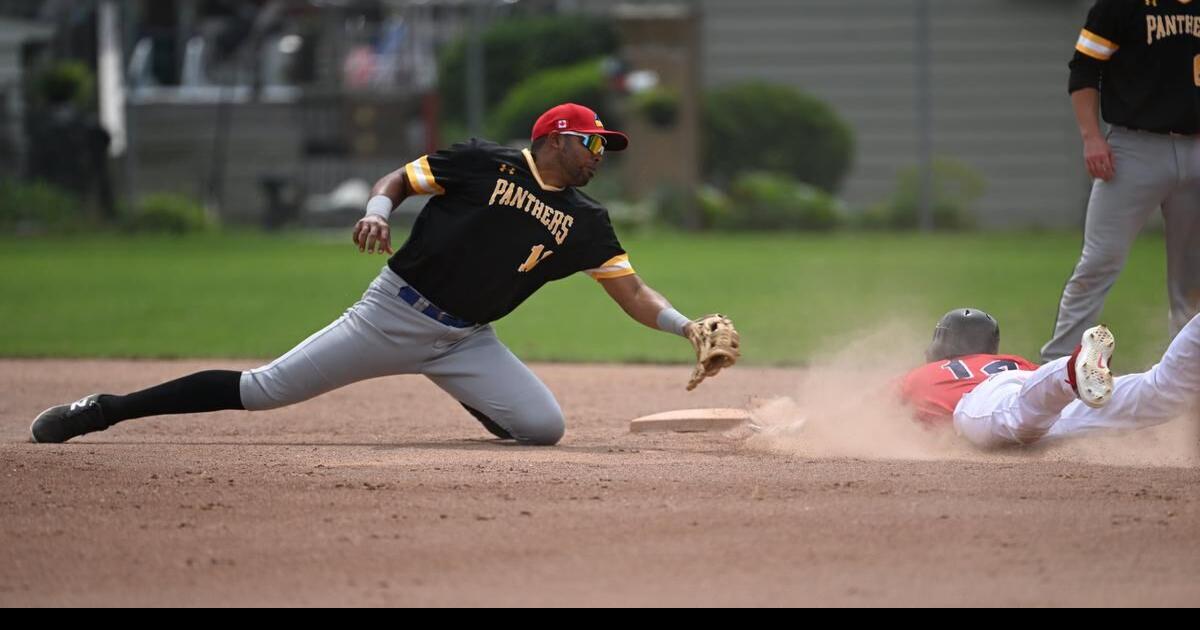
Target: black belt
(1177, 134)
(427, 308)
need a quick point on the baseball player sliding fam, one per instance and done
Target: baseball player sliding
(501, 223)
(997, 400)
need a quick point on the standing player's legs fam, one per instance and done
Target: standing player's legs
(1181, 210)
(1015, 407)
(1167, 391)
(496, 387)
(1117, 210)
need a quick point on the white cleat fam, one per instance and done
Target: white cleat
(1090, 366)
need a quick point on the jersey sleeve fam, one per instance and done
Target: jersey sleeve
(610, 258)
(616, 267)
(1099, 40)
(436, 173)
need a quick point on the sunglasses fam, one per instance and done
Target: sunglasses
(593, 142)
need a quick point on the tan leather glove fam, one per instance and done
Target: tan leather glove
(716, 342)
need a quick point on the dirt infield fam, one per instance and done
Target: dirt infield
(388, 493)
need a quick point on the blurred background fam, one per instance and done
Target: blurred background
(842, 162)
(266, 111)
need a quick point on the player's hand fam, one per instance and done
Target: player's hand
(372, 233)
(1099, 158)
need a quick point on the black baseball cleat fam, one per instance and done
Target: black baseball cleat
(61, 423)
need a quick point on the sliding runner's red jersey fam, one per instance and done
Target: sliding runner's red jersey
(934, 389)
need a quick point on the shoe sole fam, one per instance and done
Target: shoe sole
(1092, 374)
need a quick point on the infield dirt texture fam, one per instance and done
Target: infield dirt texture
(388, 493)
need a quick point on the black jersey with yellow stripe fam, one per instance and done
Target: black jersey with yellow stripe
(1144, 57)
(494, 232)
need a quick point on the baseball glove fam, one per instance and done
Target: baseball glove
(716, 343)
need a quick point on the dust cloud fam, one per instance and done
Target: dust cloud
(847, 405)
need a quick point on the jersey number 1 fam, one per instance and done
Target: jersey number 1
(535, 256)
(1196, 70)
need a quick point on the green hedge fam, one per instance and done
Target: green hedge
(517, 49)
(38, 207)
(65, 82)
(168, 213)
(769, 201)
(956, 188)
(583, 83)
(659, 106)
(759, 126)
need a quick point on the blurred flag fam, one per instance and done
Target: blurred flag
(112, 83)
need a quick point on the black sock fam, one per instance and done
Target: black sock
(213, 390)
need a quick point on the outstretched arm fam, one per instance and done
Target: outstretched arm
(372, 232)
(713, 337)
(645, 305)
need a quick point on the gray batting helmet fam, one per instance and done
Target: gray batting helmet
(964, 331)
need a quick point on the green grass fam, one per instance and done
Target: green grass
(792, 297)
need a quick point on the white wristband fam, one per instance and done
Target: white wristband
(670, 320)
(380, 206)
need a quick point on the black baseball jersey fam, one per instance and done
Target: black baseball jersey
(494, 232)
(1144, 57)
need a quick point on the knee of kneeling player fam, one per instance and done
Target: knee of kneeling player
(543, 429)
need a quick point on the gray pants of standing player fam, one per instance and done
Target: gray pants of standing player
(382, 335)
(1152, 171)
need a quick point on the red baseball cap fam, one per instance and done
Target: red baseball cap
(580, 119)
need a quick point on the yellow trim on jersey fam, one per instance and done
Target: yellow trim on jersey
(613, 274)
(1099, 40)
(1095, 46)
(420, 177)
(615, 267)
(536, 175)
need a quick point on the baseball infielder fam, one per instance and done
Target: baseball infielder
(501, 223)
(1140, 60)
(997, 400)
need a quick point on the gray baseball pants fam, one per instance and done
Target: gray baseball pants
(1152, 171)
(382, 335)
